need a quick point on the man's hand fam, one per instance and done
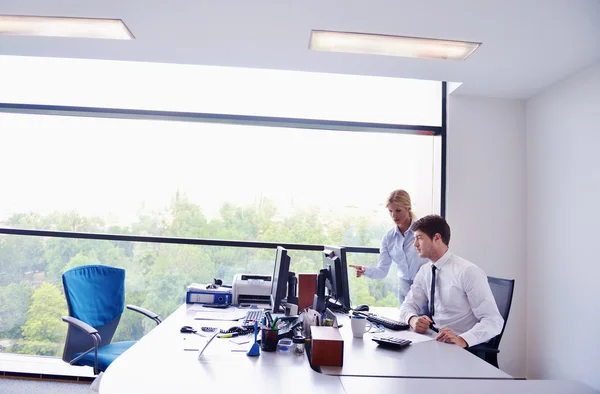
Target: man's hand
(360, 269)
(420, 323)
(448, 336)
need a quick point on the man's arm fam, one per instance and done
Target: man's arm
(483, 305)
(415, 299)
(383, 264)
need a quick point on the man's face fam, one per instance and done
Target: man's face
(425, 246)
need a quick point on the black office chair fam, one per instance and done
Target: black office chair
(96, 299)
(502, 289)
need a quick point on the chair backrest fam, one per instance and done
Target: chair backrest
(95, 295)
(502, 289)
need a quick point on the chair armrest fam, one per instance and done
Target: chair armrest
(145, 312)
(92, 332)
(486, 349)
(79, 324)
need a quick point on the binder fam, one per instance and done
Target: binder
(199, 294)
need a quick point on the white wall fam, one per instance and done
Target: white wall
(563, 205)
(486, 201)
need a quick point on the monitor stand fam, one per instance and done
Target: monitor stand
(320, 300)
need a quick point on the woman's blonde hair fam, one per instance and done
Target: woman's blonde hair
(402, 198)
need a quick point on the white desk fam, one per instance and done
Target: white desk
(431, 359)
(157, 364)
(353, 385)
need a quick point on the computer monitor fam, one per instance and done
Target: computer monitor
(280, 279)
(334, 260)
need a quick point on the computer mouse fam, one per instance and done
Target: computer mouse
(362, 308)
(237, 329)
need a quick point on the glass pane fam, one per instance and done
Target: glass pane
(185, 179)
(208, 180)
(32, 299)
(221, 90)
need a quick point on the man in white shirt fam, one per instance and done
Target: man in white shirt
(463, 306)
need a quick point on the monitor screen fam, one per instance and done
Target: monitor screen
(334, 259)
(280, 279)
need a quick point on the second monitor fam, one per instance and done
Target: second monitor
(279, 282)
(336, 282)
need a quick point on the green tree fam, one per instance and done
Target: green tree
(58, 253)
(303, 227)
(175, 268)
(81, 259)
(14, 302)
(157, 274)
(21, 254)
(187, 219)
(44, 332)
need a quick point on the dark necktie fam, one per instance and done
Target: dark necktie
(431, 308)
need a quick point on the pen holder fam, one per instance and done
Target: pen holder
(268, 342)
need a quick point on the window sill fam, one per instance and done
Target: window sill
(42, 367)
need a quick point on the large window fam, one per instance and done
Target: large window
(192, 180)
(228, 181)
(301, 182)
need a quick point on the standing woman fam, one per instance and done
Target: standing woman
(397, 246)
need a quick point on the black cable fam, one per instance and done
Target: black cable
(335, 305)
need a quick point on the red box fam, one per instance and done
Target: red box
(327, 346)
(307, 288)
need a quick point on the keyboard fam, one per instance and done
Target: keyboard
(251, 316)
(384, 321)
(392, 342)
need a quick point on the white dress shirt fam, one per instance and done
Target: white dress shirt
(399, 249)
(463, 300)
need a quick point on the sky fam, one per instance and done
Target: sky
(113, 167)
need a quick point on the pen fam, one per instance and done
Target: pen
(274, 325)
(269, 318)
(230, 335)
(433, 328)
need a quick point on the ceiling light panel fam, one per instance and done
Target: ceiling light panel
(376, 44)
(40, 26)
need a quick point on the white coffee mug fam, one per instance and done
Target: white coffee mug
(359, 325)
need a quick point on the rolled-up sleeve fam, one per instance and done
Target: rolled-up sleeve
(483, 305)
(416, 297)
(383, 264)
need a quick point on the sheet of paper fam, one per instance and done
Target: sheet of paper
(412, 336)
(220, 315)
(201, 307)
(242, 340)
(202, 287)
(192, 342)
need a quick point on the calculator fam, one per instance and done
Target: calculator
(392, 342)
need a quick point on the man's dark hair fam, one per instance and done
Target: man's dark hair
(431, 225)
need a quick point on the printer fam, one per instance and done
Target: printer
(251, 289)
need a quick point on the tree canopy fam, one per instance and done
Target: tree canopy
(31, 293)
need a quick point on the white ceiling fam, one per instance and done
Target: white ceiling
(527, 44)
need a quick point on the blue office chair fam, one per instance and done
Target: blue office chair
(502, 289)
(95, 298)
